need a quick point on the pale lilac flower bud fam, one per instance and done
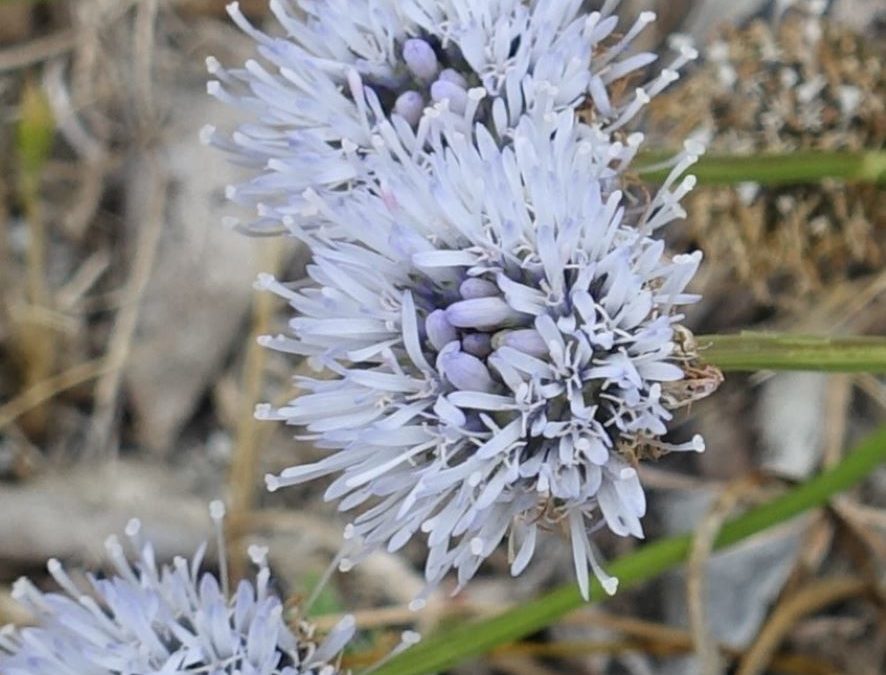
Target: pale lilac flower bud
(453, 76)
(421, 59)
(409, 106)
(465, 371)
(440, 331)
(477, 288)
(481, 312)
(478, 344)
(457, 96)
(526, 340)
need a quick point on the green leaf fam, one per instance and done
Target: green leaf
(35, 133)
(807, 166)
(778, 351)
(475, 638)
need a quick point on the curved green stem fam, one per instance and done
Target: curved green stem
(807, 166)
(475, 638)
(784, 351)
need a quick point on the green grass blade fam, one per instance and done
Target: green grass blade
(776, 169)
(473, 639)
(778, 351)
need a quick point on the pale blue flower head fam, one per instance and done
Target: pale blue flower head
(318, 99)
(499, 335)
(162, 620)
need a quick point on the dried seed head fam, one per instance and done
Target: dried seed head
(800, 83)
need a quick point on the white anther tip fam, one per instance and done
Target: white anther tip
(216, 509)
(698, 443)
(693, 146)
(257, 554)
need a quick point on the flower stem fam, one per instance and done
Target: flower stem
(781, 351)
(473, 639)
(777, 169)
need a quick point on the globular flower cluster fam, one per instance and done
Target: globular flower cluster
(496, 322)
(498, 337)
(163, 620)
(349, 74)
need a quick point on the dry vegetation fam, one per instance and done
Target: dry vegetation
(129, 367)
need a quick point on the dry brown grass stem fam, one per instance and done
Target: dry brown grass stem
(43, 391)
(120, 343)
(842, 309)
(859, 298)
(789, 664)
(37, 50)
(147, 213)
(143, 61)
(639, 635)
(659, 638)
(69, 296)
(575, 648)
(11, 612)
(706, 532)
(868, 523)
(520, 665)
(68, 122)
(36, 251)
(815, 596)
(872, 386)
(838, 398)
(245, 463)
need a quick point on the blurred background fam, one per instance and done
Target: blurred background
(129, 368)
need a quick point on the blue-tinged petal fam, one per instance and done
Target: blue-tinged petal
(476, 400)
(410, 334)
